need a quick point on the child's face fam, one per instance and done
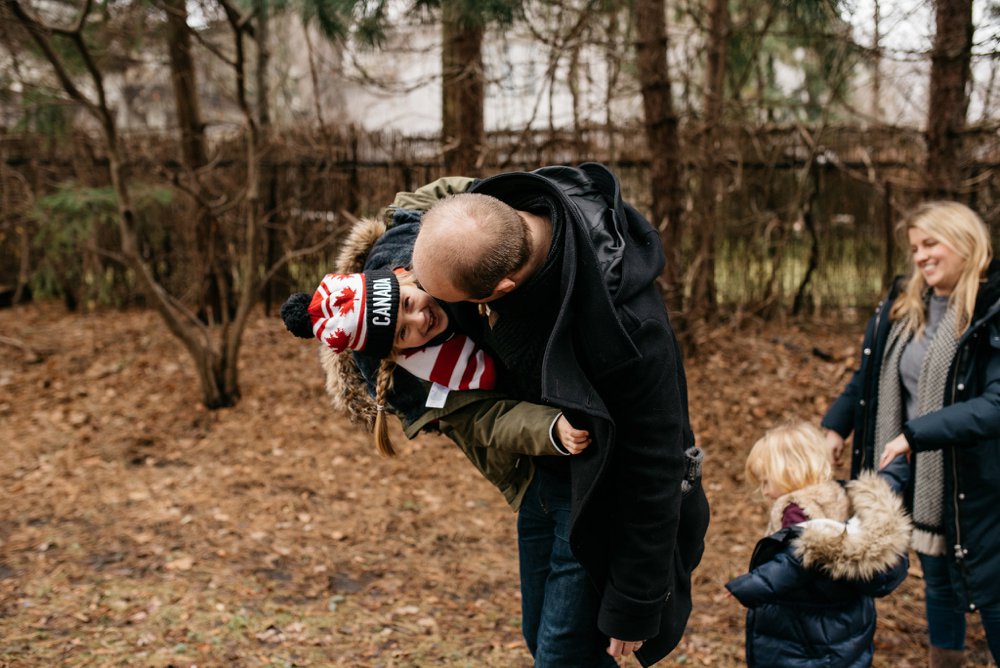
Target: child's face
(421, 318)
(770, 490)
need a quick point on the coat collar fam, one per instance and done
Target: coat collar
(988, 299)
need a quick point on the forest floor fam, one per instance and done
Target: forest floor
(139, 529)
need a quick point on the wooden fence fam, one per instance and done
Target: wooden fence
(855, 182)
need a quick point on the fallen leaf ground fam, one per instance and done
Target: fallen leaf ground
(139, 529)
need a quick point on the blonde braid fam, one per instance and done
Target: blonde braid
(383, 383)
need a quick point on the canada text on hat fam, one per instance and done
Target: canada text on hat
(348, 312)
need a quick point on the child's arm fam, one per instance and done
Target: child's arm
(897, 474)
(885, 582)
(513, 426)
(770, 581)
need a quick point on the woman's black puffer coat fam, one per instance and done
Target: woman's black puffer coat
(967, 428)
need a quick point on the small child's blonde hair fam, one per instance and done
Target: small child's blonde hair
(790, 457)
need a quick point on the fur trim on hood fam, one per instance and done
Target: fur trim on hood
(825, 499)
(869, 543)
(346, 387)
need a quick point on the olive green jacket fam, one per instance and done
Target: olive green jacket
(424, 197)
(495, 433)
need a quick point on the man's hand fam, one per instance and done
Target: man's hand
(619, 648)
(894, 448)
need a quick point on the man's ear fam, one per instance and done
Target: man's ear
(505, 285)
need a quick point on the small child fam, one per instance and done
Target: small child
(830, 549)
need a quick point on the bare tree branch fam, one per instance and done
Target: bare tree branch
(38, 30)
(299, 252)
(77, 28)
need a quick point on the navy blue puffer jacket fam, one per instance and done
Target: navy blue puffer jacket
(966, 428)
(810, 588)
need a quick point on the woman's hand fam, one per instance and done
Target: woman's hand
(894, 448)
(836, 443)
(574, 440)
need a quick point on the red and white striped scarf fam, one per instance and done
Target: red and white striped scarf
(458, 364)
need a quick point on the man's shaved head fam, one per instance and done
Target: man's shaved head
(467, 244)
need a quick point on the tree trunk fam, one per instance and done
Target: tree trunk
(889, 235)
(280, 284)
(195, 336)
(664, 143)
(876, 109)
(949, 98)
(703, 291)
(462, 89)
(263, 63)
(211, 298)
(183, 78)
(809, 221)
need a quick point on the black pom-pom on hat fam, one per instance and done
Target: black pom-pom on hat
(295, 313)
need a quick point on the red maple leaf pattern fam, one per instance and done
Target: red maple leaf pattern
(344, 301)
(338, 340)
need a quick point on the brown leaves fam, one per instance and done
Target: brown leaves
(272, 533)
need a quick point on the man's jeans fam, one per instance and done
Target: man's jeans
(945, 622)
(558, 602)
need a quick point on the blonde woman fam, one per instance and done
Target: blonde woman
(929, 388)
(829, 550)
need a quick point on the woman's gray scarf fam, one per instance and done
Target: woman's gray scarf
(928, 490)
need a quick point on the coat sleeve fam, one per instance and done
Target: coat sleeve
(964, 422)
(771, 581)
(896, 474)
(647, 401)
(505, 424)
(840, 416)
(424, 197)
(885, 582)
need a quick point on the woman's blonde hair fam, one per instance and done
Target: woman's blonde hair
(957, 226)
(790, 457)
(383, 385)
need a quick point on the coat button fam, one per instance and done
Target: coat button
(868, 351)
(961, 386)
(961, 497)
(862, 402)
(972, 606)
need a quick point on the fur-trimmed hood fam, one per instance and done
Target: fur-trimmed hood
(344, 384)
(870, 542)
(359, 242)
(825, 499)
